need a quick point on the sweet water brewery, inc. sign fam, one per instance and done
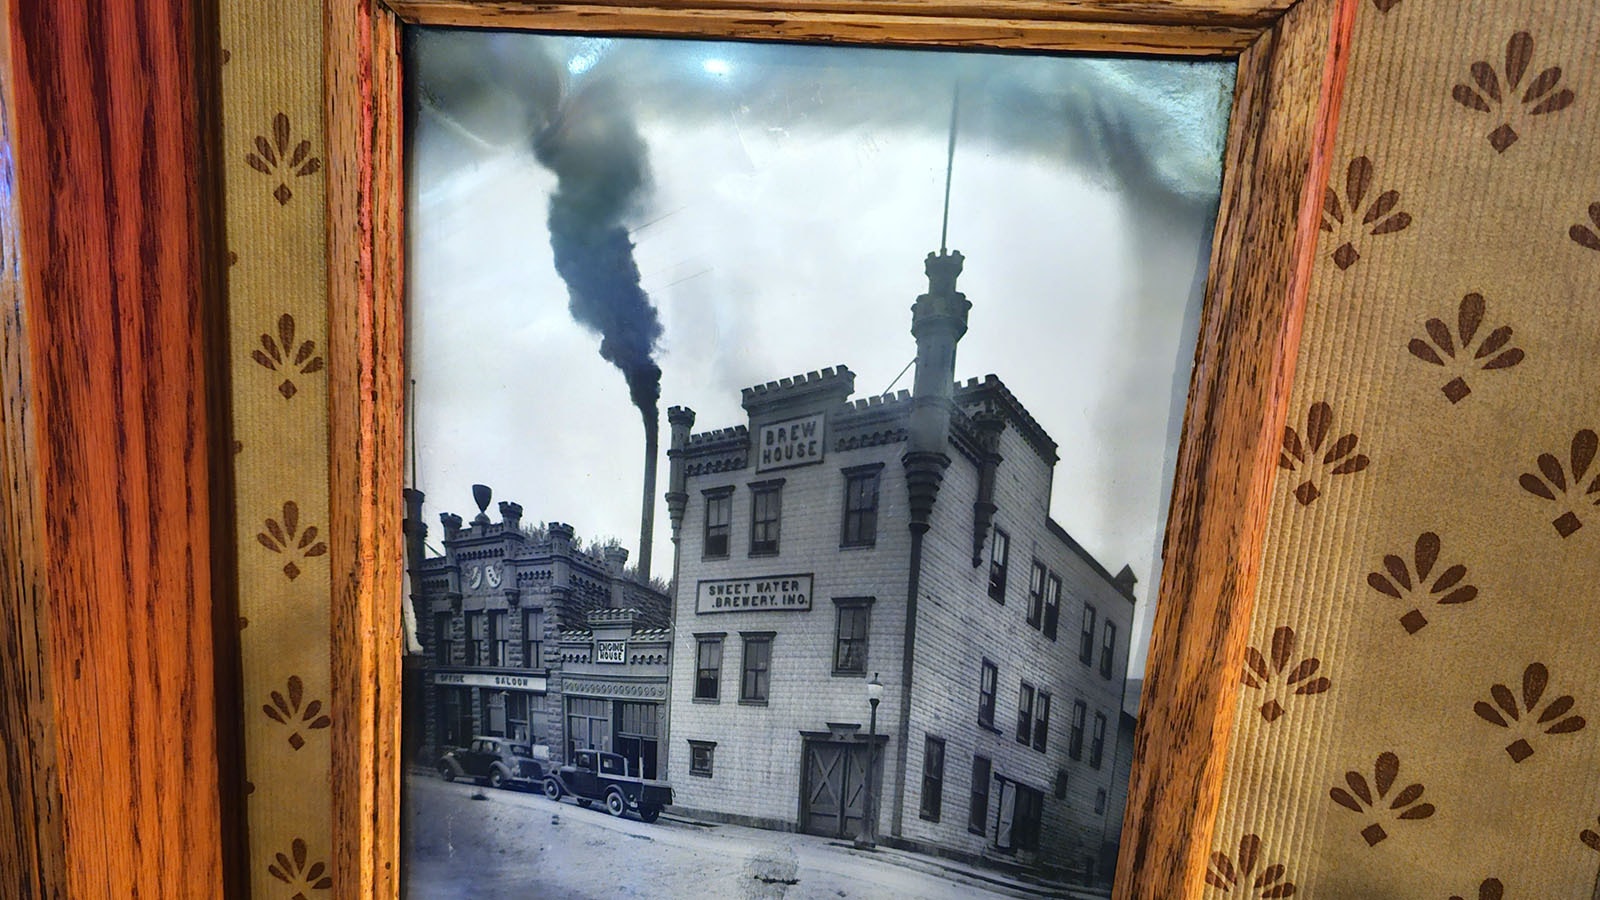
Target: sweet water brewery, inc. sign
(767, 593)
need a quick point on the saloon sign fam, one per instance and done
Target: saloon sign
(793, 442)
(535, 683)
(768, 593)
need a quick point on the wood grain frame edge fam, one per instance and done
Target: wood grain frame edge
(33, 850)
(365, 245)
(1286, 107)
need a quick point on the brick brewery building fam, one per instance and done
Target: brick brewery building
(800, 537)
(535, 640)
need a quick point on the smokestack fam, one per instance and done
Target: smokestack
(647, 518)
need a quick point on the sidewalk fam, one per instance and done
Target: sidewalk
(988, 878)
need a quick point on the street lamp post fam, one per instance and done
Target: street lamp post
(866, 839)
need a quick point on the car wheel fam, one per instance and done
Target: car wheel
(552, 789)
(615, 804)
(447, 772)
(649, 813)
(497, 778)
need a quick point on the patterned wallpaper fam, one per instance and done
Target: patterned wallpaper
(1413, 716)
(1415, 709)
(273, 157)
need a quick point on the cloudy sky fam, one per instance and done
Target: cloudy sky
(789, 197)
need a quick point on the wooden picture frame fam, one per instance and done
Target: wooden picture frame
(110, 249)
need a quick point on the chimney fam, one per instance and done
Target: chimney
(681, 418)
(616, 560)
(938, 320)
(647, 517)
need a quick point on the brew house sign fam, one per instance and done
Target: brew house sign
(767, 593)
(793, 442)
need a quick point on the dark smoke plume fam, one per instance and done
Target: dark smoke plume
(600, 165)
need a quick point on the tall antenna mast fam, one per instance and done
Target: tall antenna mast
(949, 164)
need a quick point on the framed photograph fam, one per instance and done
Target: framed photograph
(1287, 80)
(310, 204)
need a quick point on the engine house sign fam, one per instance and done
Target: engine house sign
(611, 651)
(794, 442)
(768, 593)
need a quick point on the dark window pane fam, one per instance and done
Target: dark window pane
(1098, 747)
(1036, 594)
(708, 669)
(719, 523)
(860, 510)
(1052, 606)
(1025, 714)
(766, 506)
(850, 650)
(1080, 713)
(932, 779)
(757, 669)
(987, 685)
(999, 550)
(1086, 637)
(1108, 650)
(1041, 722)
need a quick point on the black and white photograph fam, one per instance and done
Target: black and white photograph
(791, 435)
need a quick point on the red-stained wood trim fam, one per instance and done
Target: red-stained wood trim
(366, 422)
(1286, 104)
(32, 855)
(108, 423)
(1162, 27)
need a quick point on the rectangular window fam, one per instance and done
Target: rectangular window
(497, 637)
(1036, 594)
(766, 510)
(477, 645)
(1041, 721)
(932, 779)
(860, 507)
(719, 522)
(978, 806)
(1025, 714)
(443, 645)
(1097, 747)
(1061, 784)
(1080, 715)
(1027, 817)
(708, 668)
(1086, 637)
(850, 642)
(1052, 607)
(1100, 801)
(987, 685)
(702, 754)
(533, 638)
(756, 681)
(999, 550)
(1108, 649)
(517, 716)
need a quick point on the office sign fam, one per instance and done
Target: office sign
(793, 442)
(767, 593)
(611, 651)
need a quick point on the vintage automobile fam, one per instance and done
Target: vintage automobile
(494, 761)
(596, 776)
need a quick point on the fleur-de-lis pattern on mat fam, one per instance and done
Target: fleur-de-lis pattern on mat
(1441, 348)
(1497, 95)
(1369, 799)
(1564, 485)
(1585, 235)
(1552, 717)
(1410, 583)
(282, 354)
(1490, 889)
(1274, 677)
(287, 711)
(281, 537)
(1382, 216)
(292, 869)
(1234, 875)
(276, 159)
(1460, 345)
(1304, 455)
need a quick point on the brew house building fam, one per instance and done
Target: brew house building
(904, 539)
(535, 640)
